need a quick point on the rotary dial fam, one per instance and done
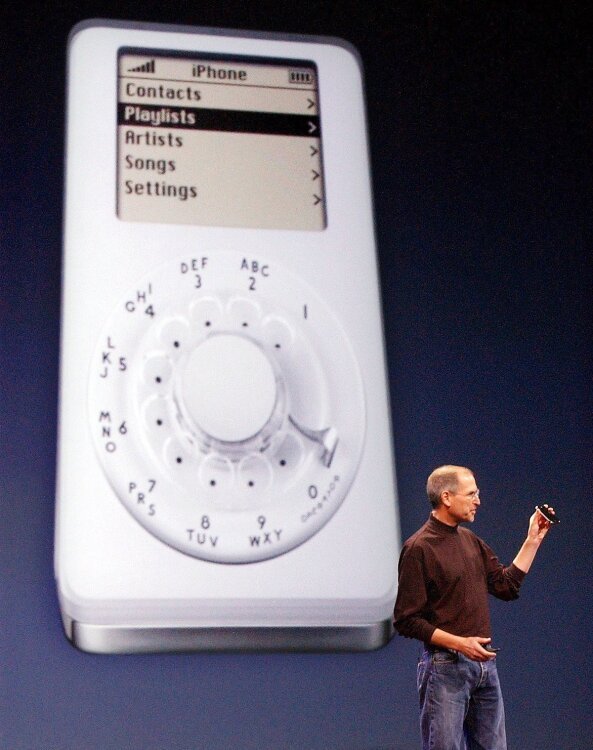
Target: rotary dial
(230, 422)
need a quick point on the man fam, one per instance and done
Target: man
(445, 575)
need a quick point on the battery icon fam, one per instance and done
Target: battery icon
(300, 76)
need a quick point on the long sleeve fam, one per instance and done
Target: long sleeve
(412, 597)
(503, 581)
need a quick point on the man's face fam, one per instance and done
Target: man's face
(464, 502)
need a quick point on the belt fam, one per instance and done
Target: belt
(432, 648)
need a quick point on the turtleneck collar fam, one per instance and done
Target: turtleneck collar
(443, 528)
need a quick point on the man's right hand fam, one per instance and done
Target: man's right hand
(473, 648)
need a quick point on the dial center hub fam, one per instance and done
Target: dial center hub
(229, 388)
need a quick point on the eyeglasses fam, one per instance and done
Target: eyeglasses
(475, 495)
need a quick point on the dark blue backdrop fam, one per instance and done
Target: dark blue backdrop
(477, 116)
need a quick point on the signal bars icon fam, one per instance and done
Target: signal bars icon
(147, 67)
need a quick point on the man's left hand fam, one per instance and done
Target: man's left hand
(538, 527)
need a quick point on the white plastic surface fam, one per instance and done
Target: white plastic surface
(229, 388)
(110, 568)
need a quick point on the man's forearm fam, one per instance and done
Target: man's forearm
(538, 528)
(526, 554)
(445, 640)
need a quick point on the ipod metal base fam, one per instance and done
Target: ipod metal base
(109, 639)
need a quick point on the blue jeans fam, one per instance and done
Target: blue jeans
(460, 703)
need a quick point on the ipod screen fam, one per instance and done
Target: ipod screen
(219, 142)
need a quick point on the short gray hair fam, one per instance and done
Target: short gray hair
(443, 478)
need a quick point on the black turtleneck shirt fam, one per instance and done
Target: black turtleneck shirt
(445, 576)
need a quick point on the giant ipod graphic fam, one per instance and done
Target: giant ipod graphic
(225, 471)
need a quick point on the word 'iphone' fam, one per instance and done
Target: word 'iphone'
(225, 475)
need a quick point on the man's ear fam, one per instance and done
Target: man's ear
(446, 498)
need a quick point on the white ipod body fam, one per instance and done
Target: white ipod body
(225, 469)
